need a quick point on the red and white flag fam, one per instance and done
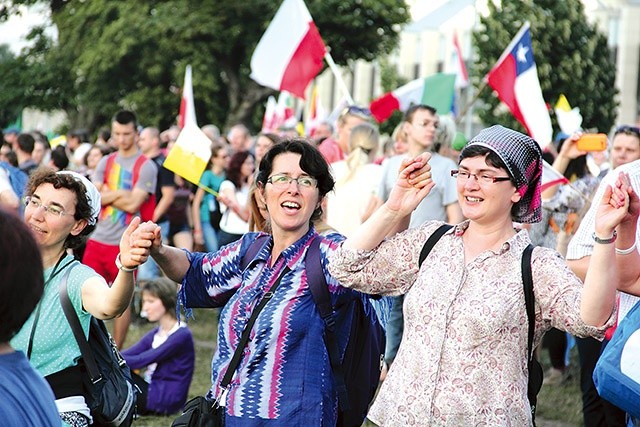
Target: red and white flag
(317, 114)
(290, 53)
(551, 177)
(187, 107)
(269, 121)
(515, 79)
(458, 66)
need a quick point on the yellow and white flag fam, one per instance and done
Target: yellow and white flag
(190, 154)
(569, 119)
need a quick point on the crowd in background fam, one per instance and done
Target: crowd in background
(364, 165)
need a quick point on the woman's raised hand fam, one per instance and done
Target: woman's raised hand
(140, 240)
(413, 184)
(619, 203)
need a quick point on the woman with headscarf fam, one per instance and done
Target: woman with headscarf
(61, 210)
(463, 357)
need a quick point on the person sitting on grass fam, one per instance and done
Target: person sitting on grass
(165, 356)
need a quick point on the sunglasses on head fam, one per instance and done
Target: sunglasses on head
(628, 130)
(355, 110)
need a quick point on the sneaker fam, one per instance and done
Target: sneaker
(554, 376)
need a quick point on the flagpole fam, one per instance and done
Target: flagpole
(470, 103)
(336, 73)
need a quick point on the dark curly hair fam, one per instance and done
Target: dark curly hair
(45, 175)
(311, 161)
(234, 173)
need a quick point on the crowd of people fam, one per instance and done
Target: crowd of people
(108, 214)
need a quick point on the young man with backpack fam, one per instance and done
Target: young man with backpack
(127, 183)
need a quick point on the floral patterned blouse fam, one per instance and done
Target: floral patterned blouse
(463, 357)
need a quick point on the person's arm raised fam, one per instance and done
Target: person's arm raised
(599, 293)
(413, 184)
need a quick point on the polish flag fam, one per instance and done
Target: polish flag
(436, 91)
(462, 77)
(290, 53)
(515, 79)
(269, 121)
(187, 108)
(551, 177)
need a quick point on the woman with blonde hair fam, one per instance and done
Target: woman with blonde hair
(357, 177)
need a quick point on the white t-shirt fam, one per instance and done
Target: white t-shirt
(5, 186)
(231, 223)
(348, 201)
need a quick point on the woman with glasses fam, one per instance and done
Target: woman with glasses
(61, 210)
(284, 376)
(463, 357)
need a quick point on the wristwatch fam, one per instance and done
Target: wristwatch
(611, 239)
(122, 267)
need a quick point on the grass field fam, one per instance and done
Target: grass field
(558, 406)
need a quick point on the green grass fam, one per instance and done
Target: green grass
(558, 405)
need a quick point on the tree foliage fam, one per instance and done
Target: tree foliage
(111, 55)
(571, 56)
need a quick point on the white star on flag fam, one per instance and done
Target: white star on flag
(522, 53)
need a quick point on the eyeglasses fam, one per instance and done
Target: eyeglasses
(482, 178)
(354, 110)
(628, 130)
(283, 181)
(53, 210)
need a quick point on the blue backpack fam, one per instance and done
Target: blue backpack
(356, 373)
(17, 178)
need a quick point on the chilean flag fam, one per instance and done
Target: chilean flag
(290, 53)
(515, 79)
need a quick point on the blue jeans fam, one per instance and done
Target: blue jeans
(210, 236)
(395, 327)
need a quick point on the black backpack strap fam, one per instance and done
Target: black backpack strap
(254, 248)
(431, 241)
(246, 332)
(529, 298)
(78, 333)
(321, 297)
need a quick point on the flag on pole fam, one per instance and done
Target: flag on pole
(458, 66)
(569, 119)
(187, 107)
(290, 53)
(515, 79)
(436, 91)
(316, 115)
(190, 154)
(551, 177)
(269, 121)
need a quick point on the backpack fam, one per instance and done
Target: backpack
(17, 178)
(357, 373)
(534, 383)
(148, 207)
(110, 391)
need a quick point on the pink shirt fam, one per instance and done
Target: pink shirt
(330, 150)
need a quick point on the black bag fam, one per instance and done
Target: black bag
(536, 375)
(200, 412)
(215, 214)
(109, 389)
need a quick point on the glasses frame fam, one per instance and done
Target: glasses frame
(291, 179)
(482, 179)
(35, 204)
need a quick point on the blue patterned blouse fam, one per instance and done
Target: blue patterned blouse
(284, 377)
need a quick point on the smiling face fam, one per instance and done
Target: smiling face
(50, 230)
(485, 202)
(290, 206)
